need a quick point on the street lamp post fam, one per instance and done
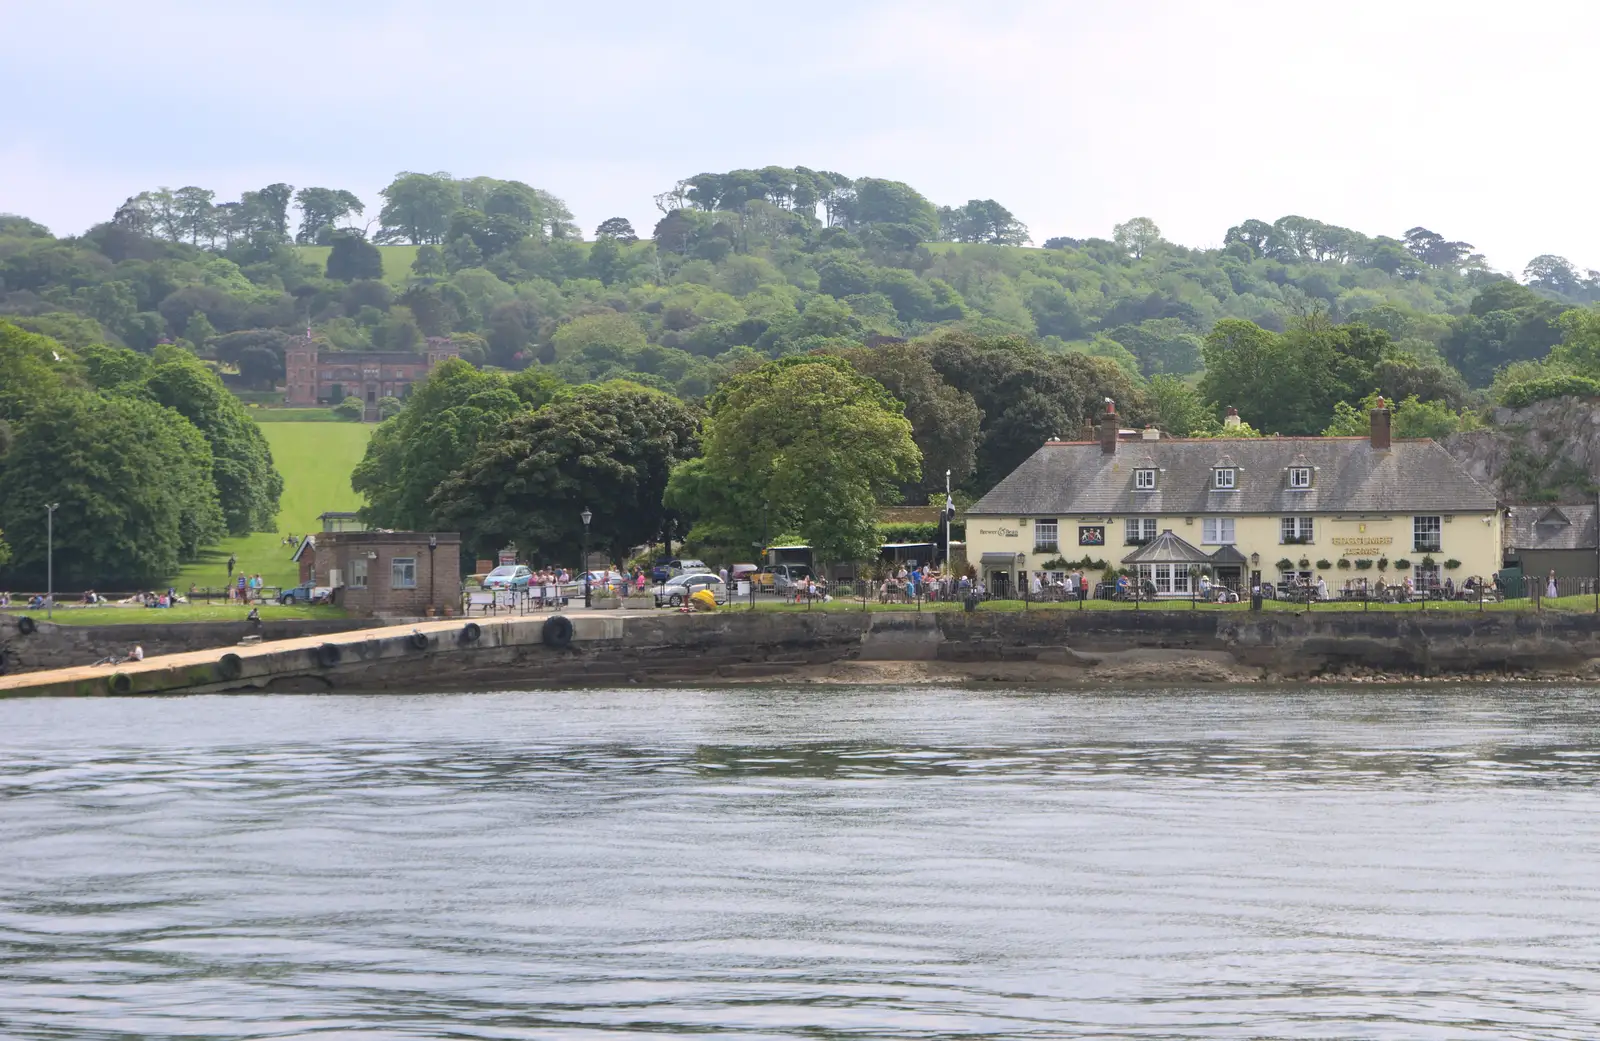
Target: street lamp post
(50, 558)
(433, 544)
(587, 517)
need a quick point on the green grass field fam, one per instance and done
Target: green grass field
(182, 613)
(315, 460)
(396, 261)
(296, 415)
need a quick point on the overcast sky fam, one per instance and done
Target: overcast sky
(1475, 120)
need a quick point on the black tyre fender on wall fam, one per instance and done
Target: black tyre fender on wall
(418, 641)
(327, 655)
(470, 632)
(230, 666)
(121, 683)
(557, 631)
(27, 626)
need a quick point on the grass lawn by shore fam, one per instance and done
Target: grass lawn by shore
(181, 613)
(316, 460)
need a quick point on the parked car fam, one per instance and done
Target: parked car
(307, 593)
(676, 591)
(508, 576)
(780, 578)
(665, 569)
(600, 579)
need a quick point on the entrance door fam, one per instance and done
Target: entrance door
(336, 393)
(372, 396)
(1000, 585)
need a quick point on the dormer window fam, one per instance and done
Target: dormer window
(1299, 476)
(1224, 476)
(1144, 479)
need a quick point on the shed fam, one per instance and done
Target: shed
(1545, 538)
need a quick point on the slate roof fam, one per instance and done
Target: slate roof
(1349, 476)
(1167, 548)
(1552, 527)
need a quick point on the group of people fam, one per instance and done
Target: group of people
(245, 589)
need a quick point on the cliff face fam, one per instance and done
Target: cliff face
(1547, 451)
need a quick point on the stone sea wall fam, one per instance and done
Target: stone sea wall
(614, 648)
(61, 646)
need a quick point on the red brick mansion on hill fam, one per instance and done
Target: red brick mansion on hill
(323, 377)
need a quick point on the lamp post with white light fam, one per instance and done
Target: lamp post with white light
(587, 517)
(433, 544)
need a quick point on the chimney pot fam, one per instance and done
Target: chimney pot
(1381, 439)
(1151, 433)
(1110, 426)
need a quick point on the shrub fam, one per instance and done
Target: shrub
(1546, 387)
(1285, 564)
(1363, 564)
(1383, 563)
(1305, 562)
(1403, 564)
(1324, 565)
(1344, 564)
(1428, 561)
(1451, 564)
(349, 408)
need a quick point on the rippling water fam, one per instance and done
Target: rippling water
(824, 863)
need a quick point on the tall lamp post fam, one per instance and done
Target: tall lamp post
(433, 544)
(50, 558)
(587, 517)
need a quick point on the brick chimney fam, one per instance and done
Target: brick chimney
(1380, 427)
(1110, 426)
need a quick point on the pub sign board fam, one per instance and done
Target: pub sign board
(1092, 535)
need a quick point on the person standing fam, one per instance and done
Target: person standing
(1550, 587)
(232, 561)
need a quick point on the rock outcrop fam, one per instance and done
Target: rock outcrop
(1549, 450)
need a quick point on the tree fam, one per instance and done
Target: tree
(618, 228)
(195, 213)
(351, 408)
(608, 449)
(893, 204)
(1289, 383)
(608, 328)
(983, 220)
(1554, 273)
(353, 257)
(1027, 396)
(198, 330)
(417, 208)
(1137, 237)
(808, 443)
(945, 423)
(259, 367)
(321, 209)
(429, 262)
(1177, 408)
(247, 484)
(134, 483)
(440, 428)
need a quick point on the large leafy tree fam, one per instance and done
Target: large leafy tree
(1289, 383)
(321, 209)
(133, 481)
(447, 417)
(945, 422)
(417, 208)
(804, 444)
(608, 449)
(1028, 395)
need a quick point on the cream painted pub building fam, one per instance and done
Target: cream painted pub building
(1245, 509)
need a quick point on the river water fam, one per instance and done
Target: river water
(826, 863)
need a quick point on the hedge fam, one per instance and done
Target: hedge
(1547, 387)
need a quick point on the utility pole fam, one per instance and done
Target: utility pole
(50, 558)
(949, 518)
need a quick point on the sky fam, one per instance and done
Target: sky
(1469, 119)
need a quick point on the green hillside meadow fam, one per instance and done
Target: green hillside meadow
(315, 460)
(396, 261)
